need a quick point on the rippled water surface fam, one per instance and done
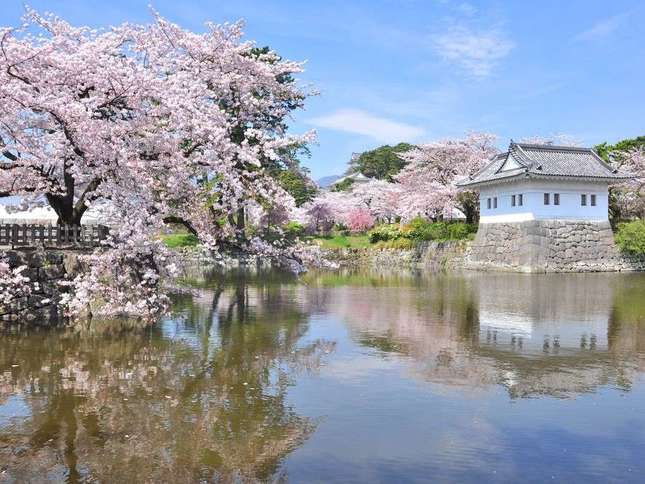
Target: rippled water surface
(340, 378)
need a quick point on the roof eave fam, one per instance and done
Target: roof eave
(490, 181)
(532, 175)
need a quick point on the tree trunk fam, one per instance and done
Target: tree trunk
(241, 219)
(64, 208)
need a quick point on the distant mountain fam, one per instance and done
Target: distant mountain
(326, 181)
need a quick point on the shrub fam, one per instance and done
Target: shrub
(400, 243)
(630, 237)
(422, 229)
(460, 230)
(341, 228)
(385, 232)
(360, 220)
(294, 229)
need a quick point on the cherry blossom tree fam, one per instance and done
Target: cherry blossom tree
(319, 216)
(627, 200)
(158, 123)
(13, 283)
(359, 220)
(381, 198)
(428, 181)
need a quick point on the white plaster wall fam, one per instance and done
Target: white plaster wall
(534, 208)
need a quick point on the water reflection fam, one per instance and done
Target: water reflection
(202, 395)
(336, 377)
(534, 334)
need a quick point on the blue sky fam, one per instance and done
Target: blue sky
(413, 70)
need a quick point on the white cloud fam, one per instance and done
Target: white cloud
(467, 9)
(602, 29)
(366, 124)
(476, 52)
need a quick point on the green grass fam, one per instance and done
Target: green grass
(175, 241)
(343, 241)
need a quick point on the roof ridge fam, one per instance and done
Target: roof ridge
(546, 161)
(485, 167)
(603, 162)
(554, 147)
(522, 153)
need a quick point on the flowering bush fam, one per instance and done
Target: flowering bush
(360, 220)
(385, 232)
(13, 284)
(630, 237)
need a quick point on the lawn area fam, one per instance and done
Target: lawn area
(343, 241)
(177, 240)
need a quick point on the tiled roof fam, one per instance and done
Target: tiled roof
(528, 160)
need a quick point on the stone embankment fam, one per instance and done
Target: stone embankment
(427, 255)
(549, 246)
(536, 246)
(45, 270)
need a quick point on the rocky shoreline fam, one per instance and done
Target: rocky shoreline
(533, 247)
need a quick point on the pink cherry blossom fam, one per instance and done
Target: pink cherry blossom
(359, 220)
(153, 123)
(428, 182)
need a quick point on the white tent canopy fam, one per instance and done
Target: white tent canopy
(42, 215)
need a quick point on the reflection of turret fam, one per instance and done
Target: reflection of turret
(201, 396)
(540, 312)
(533, 334)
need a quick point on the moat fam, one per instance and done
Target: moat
(340, 378)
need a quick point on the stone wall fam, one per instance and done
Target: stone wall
(45, 269)
(427, 255)
(549, 246)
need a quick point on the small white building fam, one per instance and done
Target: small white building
(544, 182)
(356, 178)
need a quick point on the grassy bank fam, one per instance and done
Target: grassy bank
(340, 241)
(179, 240)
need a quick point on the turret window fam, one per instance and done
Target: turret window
(547, 199)
(593, 200)
(583, 199)
(513, 200)
(556, 199)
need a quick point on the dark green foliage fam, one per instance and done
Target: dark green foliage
(297, 184)
(630, 237)
(613, 154)
(422, 229)
(604, 149)
(286, 168)
(383, 163)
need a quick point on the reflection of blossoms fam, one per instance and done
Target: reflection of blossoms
(207, 402)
